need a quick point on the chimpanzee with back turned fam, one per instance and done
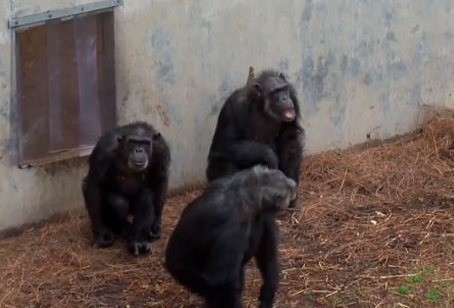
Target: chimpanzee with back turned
(128, 175)
(220, 231)
(259, 124)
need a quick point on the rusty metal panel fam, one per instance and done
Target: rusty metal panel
(66, 86)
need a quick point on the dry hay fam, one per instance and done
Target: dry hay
(377, 230)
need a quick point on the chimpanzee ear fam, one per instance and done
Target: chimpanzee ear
(282, 76)
(156, 136)
(257, 87)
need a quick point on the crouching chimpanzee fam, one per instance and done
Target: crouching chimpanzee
(259, 124)
(220, 231)
(128, 175)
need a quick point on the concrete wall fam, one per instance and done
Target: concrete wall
(360, 66)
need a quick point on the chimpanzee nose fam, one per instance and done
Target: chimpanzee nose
(138, 150)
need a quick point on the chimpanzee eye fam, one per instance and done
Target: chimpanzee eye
(278, 197)
(157, 137)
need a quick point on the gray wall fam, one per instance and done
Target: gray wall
(359, 66)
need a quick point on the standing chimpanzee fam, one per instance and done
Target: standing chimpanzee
(259, 124)
(220, 231)
(128, 175)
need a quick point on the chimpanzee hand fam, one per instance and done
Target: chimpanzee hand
(265, 305)
(271, 160)
(102, 238)
(293, 204)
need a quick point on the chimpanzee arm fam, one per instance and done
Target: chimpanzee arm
(248, 153)
(237, 156)
(160, 190)
(243, 153)
(91, 190)
(102, 237)
(140, 238)
(267, 262)
(225, 257)
(159, 182)
(290, 144)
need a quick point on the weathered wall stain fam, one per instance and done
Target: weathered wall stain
(368, 80)
(307, 11)
(390, 36)
(365, 48)
(162, 49)
(388, 17)
(312, 76)
(165, 119)
(215, 102)
(284, 66)
(360, 67)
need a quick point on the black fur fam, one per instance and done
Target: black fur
(128, 175)
(221, 230)
(248, 133)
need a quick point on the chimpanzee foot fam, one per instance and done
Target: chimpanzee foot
(139, 247)
(156, 231)
(102, 240)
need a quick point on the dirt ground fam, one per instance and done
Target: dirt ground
(376, 230)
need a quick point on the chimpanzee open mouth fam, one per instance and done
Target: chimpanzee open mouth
(139, 165)
(289, 114)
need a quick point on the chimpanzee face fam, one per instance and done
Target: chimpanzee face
(280, 189)
(275, 188)
(137, 151)
(277, 102)
(279, 105)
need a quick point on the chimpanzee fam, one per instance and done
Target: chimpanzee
(220, 231)
(258, 124)
(128, 175)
